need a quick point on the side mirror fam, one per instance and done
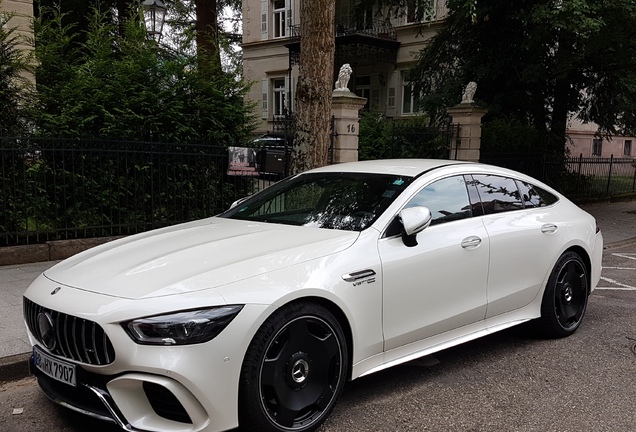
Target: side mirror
(414, 220)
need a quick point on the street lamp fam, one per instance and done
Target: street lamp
(154, 16)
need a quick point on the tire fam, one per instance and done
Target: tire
(565, 297)
(294, 370)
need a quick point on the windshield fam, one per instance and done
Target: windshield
(347, 201)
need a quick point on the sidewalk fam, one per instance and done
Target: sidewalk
(617, 222)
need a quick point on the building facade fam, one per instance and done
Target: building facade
(22, 11)
(380, 47)
(583, 141)
(22, 20)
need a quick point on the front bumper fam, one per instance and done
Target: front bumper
(96, 395)
(199, 382)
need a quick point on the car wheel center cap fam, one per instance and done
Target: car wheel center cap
(300, 371)
(567, 295)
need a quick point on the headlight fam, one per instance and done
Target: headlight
(181, 328)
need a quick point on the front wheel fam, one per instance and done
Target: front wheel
(565, 297)
(294, 370)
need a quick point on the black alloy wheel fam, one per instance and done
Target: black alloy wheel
(565, 297)
(294, 370)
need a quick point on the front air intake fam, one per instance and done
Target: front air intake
(165, 403)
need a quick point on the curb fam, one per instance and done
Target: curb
(49, 251)
(620, 243)
(14, 367)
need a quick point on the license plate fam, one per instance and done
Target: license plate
(56, 369)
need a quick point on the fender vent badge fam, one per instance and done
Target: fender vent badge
(352, 277)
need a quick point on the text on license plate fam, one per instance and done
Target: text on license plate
(56, 369)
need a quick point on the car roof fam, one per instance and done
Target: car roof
(404, 167)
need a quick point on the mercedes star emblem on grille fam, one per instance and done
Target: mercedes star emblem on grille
(47, 333)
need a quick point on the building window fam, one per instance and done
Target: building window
(597, 147)
(280, 22)
(390, 99)
(410, 99)
(363, 88)
(627, 148)
(279, 96)
(428, 14)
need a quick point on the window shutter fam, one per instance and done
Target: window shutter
(265, 88)
(289, 6)
(264, 13)
(288, 93)
(391, 94)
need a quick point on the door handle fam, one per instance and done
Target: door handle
(471, 242)
(549, 228)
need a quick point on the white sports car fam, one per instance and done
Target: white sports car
(257, 317)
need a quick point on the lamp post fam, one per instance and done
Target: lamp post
(154, 16)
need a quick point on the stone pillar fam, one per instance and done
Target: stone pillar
(345, 107)
(468, 117)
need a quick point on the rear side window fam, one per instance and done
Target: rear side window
(534, 196)
(498, 194)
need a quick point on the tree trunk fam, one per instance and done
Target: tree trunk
(207, 29)
(559, 120)
(315, 85)
(124, 13)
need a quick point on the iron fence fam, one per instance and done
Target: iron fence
(576, 177)
(55, 189)
(410, 139)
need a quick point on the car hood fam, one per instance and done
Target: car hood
(195, 256)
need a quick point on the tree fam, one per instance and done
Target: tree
(314, 88)
(538, 61)
(128, 88)
(15, 87)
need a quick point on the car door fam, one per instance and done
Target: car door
(525, 237)
(440, 283)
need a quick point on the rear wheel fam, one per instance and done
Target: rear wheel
(565, 297)
(294, 370)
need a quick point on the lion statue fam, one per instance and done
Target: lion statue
(469, 93)
(343, 77)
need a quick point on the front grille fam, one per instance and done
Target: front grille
(73, 338)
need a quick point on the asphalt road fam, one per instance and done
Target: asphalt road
(510, 381)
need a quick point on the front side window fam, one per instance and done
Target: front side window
(498, 194)
(597, 147)
(627, 148)
(347, 201)
(447, 199)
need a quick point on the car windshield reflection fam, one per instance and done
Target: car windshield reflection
(345, 201)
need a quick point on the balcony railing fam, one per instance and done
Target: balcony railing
(355, 25)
